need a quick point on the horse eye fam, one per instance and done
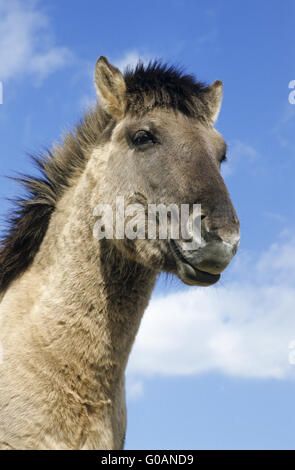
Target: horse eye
(223, 159)
(142, 137)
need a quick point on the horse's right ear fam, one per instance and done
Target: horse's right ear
(110, 87)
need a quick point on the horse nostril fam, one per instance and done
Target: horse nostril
(235, 249)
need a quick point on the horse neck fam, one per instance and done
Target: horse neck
(86, 301)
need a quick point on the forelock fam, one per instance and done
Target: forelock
(158, 85)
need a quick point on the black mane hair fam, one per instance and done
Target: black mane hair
(163, 86)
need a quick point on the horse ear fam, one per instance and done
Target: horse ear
(213, 98)
(110, 87)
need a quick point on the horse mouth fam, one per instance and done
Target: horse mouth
(188, 273)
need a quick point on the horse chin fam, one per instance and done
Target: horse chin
(195, 277)
(190, 274)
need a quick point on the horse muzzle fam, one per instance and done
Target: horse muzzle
(203, 265)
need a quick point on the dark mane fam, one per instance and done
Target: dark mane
(158, 84)
(164, 86)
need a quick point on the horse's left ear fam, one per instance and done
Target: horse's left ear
(110, 87)
(213, 98)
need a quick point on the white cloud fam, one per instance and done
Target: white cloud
(26, 42)
(278, 264)
(243, 329)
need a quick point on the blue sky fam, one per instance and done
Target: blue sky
(210, 367)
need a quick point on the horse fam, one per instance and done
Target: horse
(71, 302)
